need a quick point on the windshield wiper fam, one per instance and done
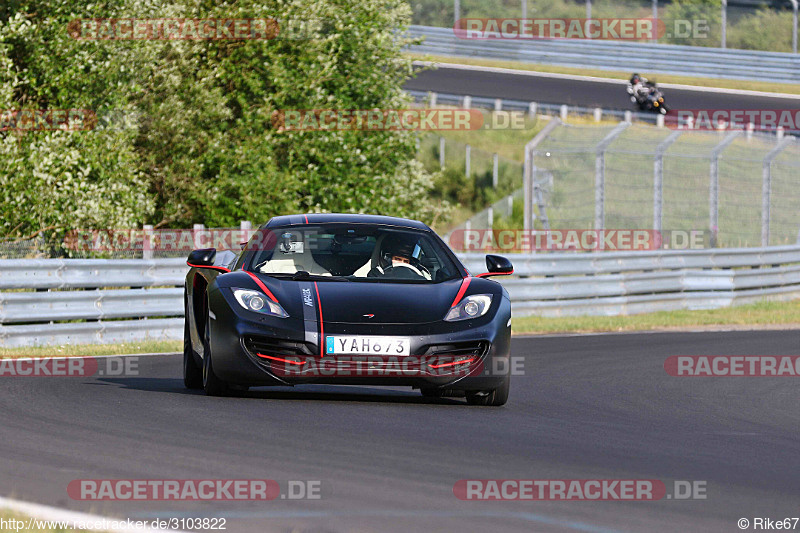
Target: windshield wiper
(302, 275)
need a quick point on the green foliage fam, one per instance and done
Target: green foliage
(475, 192)
(765, 30)
(204, 147)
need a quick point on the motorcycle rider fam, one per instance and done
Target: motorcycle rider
(638, 88)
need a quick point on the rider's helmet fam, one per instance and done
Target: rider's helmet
(635, 79)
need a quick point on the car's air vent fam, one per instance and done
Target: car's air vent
(476, 348)
(276, 347)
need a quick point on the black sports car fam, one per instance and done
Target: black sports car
(347, 299)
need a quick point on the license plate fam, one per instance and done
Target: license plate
(358, 345)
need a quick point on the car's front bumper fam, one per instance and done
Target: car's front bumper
(469, 355)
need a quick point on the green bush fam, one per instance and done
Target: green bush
(205, 149)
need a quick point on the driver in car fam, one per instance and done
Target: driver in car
(397, 259)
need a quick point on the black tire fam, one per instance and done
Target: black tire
(495, 397)
(192, 373)
(211, 383)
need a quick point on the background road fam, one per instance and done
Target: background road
(608, 95)
(587, 407)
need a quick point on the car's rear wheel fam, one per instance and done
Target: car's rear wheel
(495, 397)
(192, 373)
(211, 383)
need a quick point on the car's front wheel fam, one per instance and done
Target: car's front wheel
(211, 383)
(192, 373)
(495, 397)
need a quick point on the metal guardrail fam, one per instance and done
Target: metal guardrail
(613, 283)
(616, 55)
(152, 301)
(37, 306)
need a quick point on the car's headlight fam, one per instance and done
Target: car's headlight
(470, 307)
(258, 302)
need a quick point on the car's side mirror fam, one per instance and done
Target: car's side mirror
(202, 258)
(497, 265)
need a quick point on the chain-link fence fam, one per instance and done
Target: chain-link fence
(469, 178)
(742, 189)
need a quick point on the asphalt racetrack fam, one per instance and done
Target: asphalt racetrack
(587, 407)
(584, 93)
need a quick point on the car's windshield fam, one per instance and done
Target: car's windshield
(355, 252)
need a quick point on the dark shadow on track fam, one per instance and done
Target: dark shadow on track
(325, 393)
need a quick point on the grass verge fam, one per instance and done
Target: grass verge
(787, 88)
(762, 314)
(94, 349)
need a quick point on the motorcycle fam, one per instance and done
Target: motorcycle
(650, 100)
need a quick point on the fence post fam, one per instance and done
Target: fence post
(724, 23)
(564, 112)
(533, 108)
(433, 98)
(658, 178)
(654, 38)
(766, 187)
(529, 170)
(147, 241)
(588, 9)
(246, 229)
(441, 152)
(713, 187)
(598, 114)
(600, 175)
(490, 217)
(197, 231)
(794, 25)
(467, 102)
(495, 170)
(498, 104)
(467, 156)
(456, 10)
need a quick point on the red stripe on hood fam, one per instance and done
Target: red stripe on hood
(263, 287)
(461, 291)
